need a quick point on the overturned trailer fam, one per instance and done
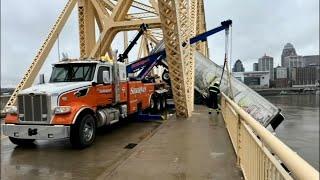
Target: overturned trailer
(207, 72)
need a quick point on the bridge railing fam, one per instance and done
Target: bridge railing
(259, 152)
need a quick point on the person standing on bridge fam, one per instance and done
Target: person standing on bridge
(214, 91)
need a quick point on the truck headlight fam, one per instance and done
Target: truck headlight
(62, 110)
(11, 110)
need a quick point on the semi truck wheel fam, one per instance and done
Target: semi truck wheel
(21, 142)
(163, 102)
(83, 132)
(158, 104)
(152, 103)
(165, 76)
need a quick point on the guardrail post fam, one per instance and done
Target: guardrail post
(238, 139)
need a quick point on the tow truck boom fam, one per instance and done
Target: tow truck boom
(124, 55)
(147, 63)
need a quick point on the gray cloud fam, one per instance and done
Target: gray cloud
(258, 27)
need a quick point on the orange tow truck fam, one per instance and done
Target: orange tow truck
(81, 96)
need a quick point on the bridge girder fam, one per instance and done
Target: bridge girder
(175, 19)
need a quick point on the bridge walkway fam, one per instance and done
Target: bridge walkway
(196, 148)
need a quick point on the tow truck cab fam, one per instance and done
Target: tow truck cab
(80, 96)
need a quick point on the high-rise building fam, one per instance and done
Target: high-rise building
(294, 61)
(281, 73)
(266, 64)
(311, 60)
(288, 50)
(281, 77)
(306, 75)
(300, 62)
(255, 67)
(238, 66)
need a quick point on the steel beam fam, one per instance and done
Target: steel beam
(86, 27)
(108, 34)
(175, 22)
(144, 7)
(102, 16)
(201, 28)
(154, 5)
(151, 37)
(193, 29)
(125, 43)
(108, 4)
(43, 52)
(135, 24)
(121, 9)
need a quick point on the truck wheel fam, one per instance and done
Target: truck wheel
(155, 104)
(83, 132)
(21, 142)
(152, 103)
(165, 76)
(158, 104)
(163, 102)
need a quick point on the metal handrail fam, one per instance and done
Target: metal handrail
(298, 166)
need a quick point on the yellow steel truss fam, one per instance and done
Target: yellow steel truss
(176, 34)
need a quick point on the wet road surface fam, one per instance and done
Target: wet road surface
(57, 160)
(196, 148)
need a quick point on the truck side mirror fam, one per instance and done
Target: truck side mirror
(41, 79)
(106, 77)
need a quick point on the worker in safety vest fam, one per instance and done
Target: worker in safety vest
(214, 91)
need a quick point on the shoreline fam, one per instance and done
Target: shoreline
(280, 91)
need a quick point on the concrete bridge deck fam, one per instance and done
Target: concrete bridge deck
(197, 148)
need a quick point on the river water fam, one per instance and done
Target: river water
(300, 129)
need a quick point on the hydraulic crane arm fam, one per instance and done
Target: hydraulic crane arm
(203, 36)
(147, 63)
(124, 55)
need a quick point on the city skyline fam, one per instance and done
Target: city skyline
(276, 63)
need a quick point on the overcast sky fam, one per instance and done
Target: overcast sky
(259, 27)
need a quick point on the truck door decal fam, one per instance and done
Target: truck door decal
(104, 91)
(138, 90)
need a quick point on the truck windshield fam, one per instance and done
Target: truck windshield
(72, 72)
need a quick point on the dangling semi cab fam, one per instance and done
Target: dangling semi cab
(80, 97)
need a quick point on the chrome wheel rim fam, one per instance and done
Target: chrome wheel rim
(166, 76)
(151, 103)
(88, 131)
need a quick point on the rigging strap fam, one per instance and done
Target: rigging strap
(225, 64)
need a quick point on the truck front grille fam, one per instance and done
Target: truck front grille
(33, 108)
